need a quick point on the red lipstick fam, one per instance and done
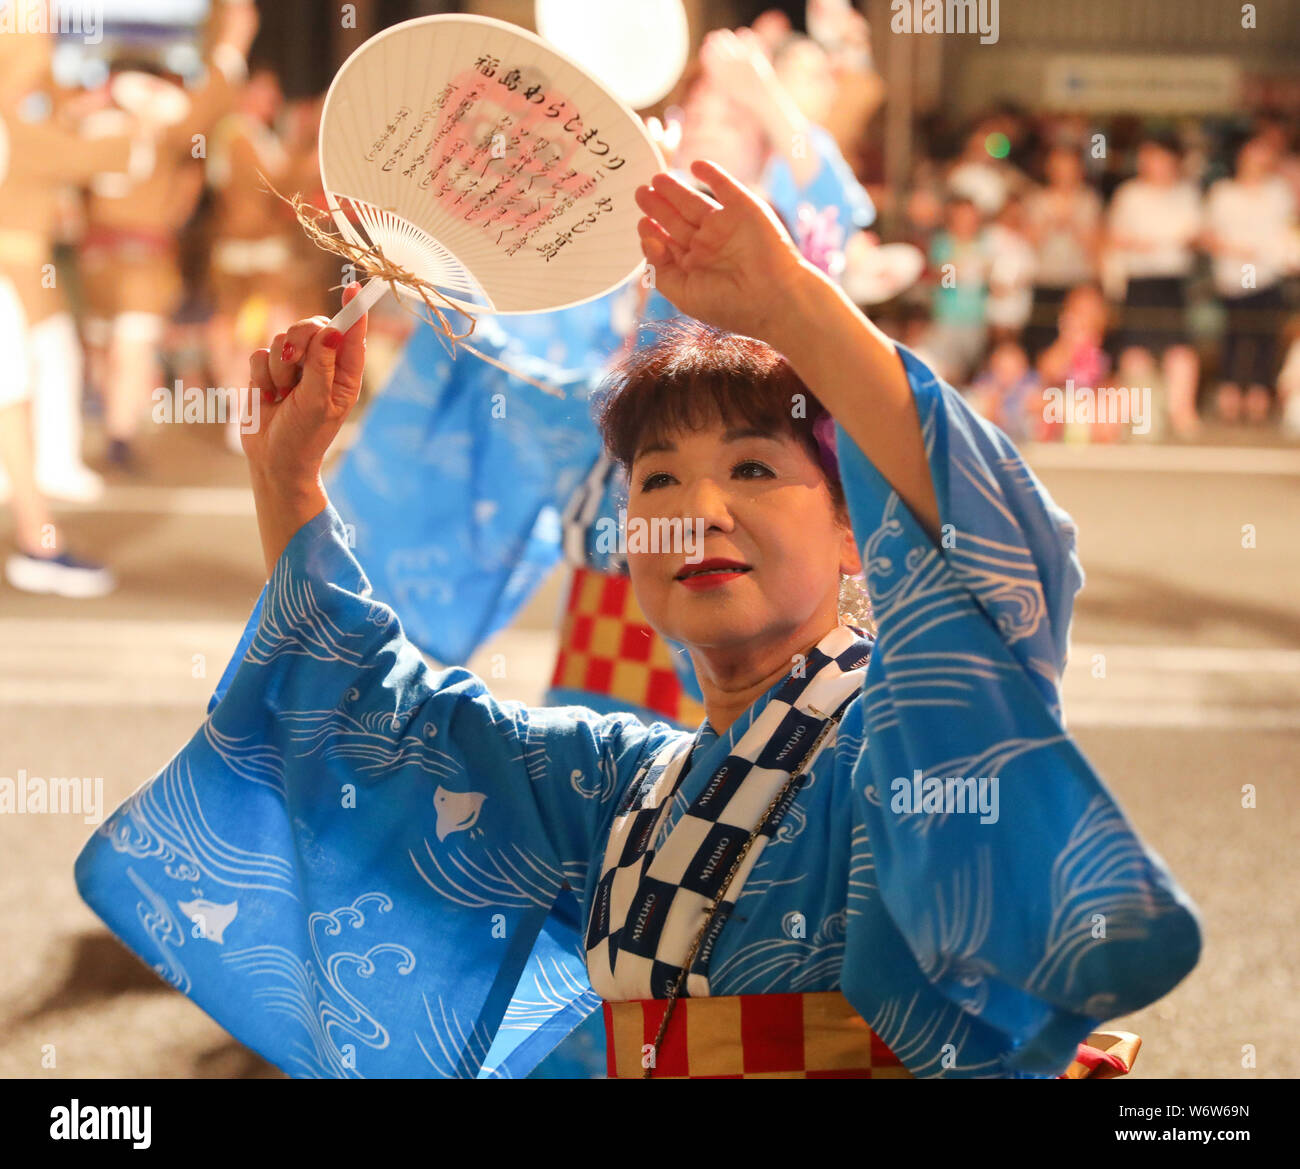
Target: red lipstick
(711, 573)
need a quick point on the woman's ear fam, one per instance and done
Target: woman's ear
(850, 557)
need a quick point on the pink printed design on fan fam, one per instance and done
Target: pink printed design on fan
(500, 111)
(491, 156)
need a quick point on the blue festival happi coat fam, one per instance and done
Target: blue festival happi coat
(362, 867)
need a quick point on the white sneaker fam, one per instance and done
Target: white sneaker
(75, 484)
(63, 575)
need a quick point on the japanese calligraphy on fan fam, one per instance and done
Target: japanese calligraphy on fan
(518, 163)
(506, 154)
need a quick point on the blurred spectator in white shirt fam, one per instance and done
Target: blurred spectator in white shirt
(1153, 224)
(1249, 220)
(1063, 222)
(1011, 273)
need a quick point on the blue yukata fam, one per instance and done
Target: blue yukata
(360, 866)
(456, 487)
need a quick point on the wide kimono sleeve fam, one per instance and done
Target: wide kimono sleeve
(1030, 917)
(352, 860)
(833, 184)
(455, 485)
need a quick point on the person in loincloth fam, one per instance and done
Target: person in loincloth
(253, 232)
(130, 258)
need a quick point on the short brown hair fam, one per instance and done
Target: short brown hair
(689, 375)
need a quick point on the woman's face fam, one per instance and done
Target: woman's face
(1255, 160)
(963, 220)
(718, 128)
(805, 71)
(760, 502)
(262, 96)
(1064, 168)
(1156, 165)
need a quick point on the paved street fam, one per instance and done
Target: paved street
(1184, 685)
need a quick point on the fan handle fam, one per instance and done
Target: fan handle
(369, 296)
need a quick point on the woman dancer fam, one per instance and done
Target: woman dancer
(880, 856)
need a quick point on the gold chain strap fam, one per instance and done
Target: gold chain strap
(673, 994)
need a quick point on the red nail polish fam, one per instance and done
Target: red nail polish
(286, 354)
(333, 339)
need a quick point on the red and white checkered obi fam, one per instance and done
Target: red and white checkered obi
(817, 1036)
(608, 647)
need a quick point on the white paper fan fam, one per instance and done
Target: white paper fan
(485, 163)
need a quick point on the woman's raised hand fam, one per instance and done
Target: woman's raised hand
(305, 385)
(726, 261)
(738, 64)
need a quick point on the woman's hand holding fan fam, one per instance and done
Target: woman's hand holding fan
(306, 385)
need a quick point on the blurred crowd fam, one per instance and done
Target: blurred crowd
(140, 247)
(1057, 254)
(1067, 253)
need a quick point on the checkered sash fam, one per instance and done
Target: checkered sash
(815, 1036)
(812, 1036)
(657, 884)
(608, 648)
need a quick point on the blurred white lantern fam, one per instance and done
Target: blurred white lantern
(637, 50)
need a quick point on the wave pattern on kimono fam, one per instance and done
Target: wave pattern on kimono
(362, 867)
